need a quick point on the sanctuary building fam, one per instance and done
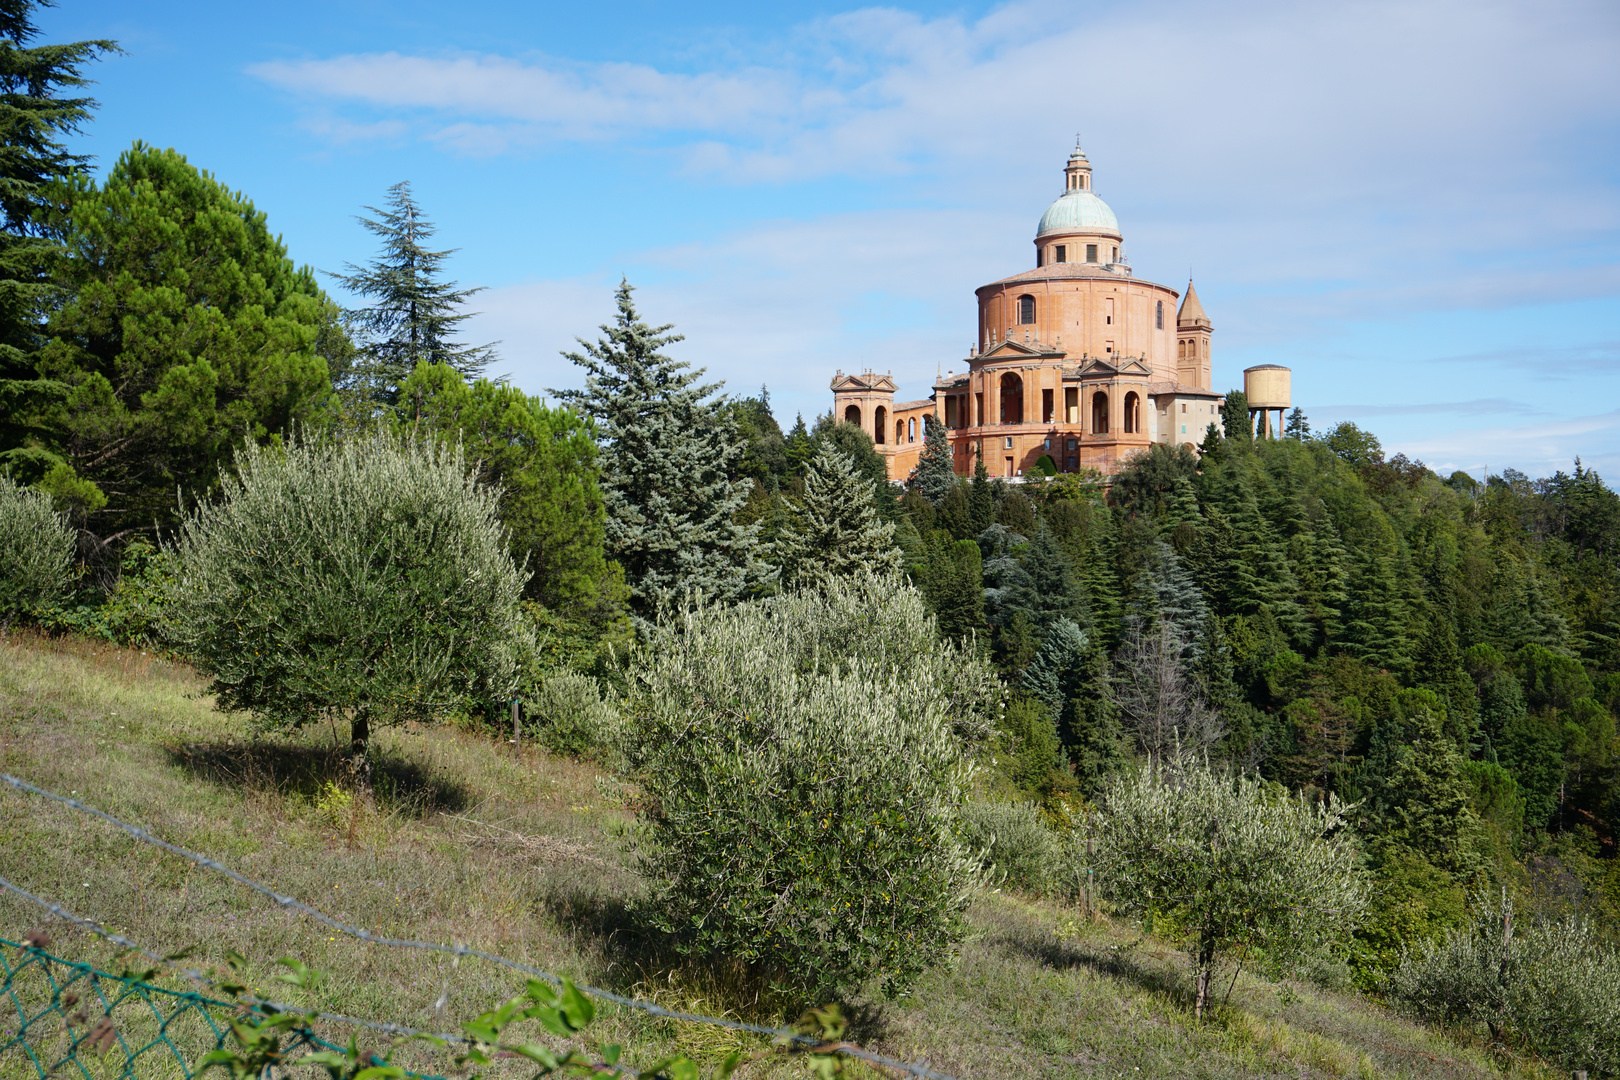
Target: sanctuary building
(1078, 364)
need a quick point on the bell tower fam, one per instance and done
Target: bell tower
(1193, 331)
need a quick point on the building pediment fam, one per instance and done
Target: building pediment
(1018, 350)
(866, 382)
(1100, 367)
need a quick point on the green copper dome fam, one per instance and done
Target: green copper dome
(1078, 211)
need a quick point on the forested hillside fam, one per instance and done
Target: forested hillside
(1289, 705)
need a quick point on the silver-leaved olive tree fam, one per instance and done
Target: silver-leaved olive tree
(1227, 862)
(806, 759)
(368, 579)
(36, 551)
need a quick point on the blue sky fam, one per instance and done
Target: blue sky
(1415, 204)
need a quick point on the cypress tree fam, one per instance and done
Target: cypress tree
(935, 474)
(1235, 417)
(837, 532)
(668, 457)
(415, 316)
(952, 583)
(981, 499)
(37, 111)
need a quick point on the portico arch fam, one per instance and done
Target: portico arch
(880, 419)
(1012, 398)
(1099, 413)
(852, 415)
(1133, 421)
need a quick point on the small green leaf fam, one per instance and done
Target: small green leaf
(577, 1007)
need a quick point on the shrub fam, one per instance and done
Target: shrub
(1222, 861)
(1550, 986)
(569, 715)
(370, 578)
(1018, 850)
(805, 761)
(36, 551)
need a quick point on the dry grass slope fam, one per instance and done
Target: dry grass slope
(523, 855)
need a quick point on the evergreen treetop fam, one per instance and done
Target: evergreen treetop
(935, 474)
(669, 455)
(415, 316)
(837, 532)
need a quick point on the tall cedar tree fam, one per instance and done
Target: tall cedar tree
(36, 113)
(414, 317)
(669, 455)
(981, 499)
(935, 474)
(186, 330)
(837, 532)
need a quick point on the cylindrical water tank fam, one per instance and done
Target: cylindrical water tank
(1267, 386)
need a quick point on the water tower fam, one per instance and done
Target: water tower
(1268, 388)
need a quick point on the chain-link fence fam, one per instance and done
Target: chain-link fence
(67, 1019)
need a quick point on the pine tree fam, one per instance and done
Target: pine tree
(935, 474)
(1298, 426)
(1068, 677)
(799, 447)
(415, 316)
(668, 453)
(837, 532)
(36, 113)
(1376, 615)
(1167, 593)
(981, 499)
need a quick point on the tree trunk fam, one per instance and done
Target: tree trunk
(359, 738)
(1201, 999)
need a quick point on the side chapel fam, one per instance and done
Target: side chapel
(1078, 364)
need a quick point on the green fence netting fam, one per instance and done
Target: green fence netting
(67, 1019)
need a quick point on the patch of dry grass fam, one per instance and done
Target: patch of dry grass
(464, 840)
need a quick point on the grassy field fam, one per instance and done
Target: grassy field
(521, 855)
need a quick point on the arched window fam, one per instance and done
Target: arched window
(880, 420)
(852, 415)
(1012, 399)
(1099, 413)
(1133, 422)
(1158, 315)
(911, 431)
(1181, 349)
(1026, 310)
(899, 432)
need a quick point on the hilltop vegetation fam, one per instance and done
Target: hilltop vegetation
(1315, 717)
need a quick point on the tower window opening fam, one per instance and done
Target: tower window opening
(911, 431)
(1132, 420)
(1082, 183)
(1115, 256)
(880, 418)
(1099, 413)
(852, 415)
(1026, 310)
(1038, 263)
(1091, 253)
(900, 432)
(1158, 315)
(1060, 254)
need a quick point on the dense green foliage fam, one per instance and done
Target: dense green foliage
(36, 551)
(369, 579)
(542, 462)
(805, 757)
(186, 330)
(836, 531)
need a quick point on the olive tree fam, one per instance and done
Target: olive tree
(36, 550)
(1551, 985)
(806, 758)
(367, 579)
(1221, 862)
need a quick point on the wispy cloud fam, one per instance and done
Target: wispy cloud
(1480, 407)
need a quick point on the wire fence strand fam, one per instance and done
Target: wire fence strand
(786, 1035)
